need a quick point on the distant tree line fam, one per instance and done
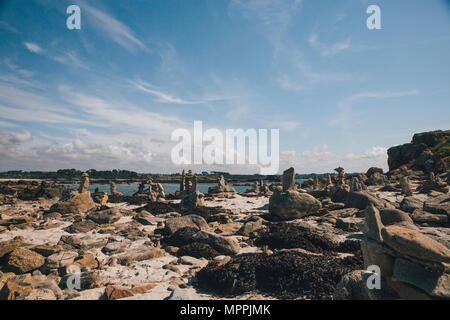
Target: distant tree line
(72, 174)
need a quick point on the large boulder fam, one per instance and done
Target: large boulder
(361, 199)
(289, 205)
(172, 225)
(224, 245)
(74, 203)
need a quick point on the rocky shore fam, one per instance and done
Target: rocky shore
(314, 240)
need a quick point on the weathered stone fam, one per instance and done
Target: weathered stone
(140, 254)
(91, 280)
(47, 249)
(376, 253)
(38, 294)
(107, 216)
(394, 216)
(223, 245)
(406, 186)
(61, 259)
(25, 284)
(407, 291)
(192, 199)
(74, 203)
(7, 247)
(86, 261)
(373, 225)
(409, 204)
(288, 180)
(348, 224)
(100, 198)
(116, 247)
(221, 188)
(193, 221)
(24, 260)
(146, 218)
(351, 287)
(385, 292)
(415, 244)
(343, 213)
(250, 227)
(115, 292)
(143, 289)
(362, 199)
(356, 185)
(438, 205)
(422, 216)
(84, 183)
(288, 205)
(435, 284)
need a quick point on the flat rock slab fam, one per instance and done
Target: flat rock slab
(413, 243)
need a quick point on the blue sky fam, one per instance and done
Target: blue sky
(109, 95)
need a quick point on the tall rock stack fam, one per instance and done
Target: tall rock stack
(406, 186)
(290, 204)
(77, 203)
(191, 198)
(412, 265)
(183, 181)
(84, 184)
(222, 188)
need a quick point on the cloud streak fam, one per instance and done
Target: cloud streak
(117, 31)
(33, 47)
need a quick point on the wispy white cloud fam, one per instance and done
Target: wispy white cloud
(72, 59)
(113, 28)
(161, 96)
(119, 113)
(33, 47)
(327, 50)
(5, 25)
(168, 98)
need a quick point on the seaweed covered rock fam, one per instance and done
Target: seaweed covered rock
(287, 236)
(288, 275)
(198, 250)
(201, 244)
